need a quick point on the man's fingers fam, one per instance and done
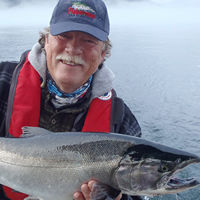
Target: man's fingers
(119, 197)
(90, 184)
(86, 191)
(78, 196)
(84, 194)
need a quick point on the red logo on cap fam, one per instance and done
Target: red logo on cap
(81, 9)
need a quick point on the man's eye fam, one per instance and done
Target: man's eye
(90, 41)
(63, 36)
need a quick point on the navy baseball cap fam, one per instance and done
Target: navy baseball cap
(89, 16)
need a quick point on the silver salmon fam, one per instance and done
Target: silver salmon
(54, 165)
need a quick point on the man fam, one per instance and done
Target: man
(63, 85)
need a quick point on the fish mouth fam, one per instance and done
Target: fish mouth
(174, 184)
(181, 184)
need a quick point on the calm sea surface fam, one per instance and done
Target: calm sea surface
(157, 72)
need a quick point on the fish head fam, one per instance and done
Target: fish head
(147, 170)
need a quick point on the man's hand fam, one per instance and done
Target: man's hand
(86, 189)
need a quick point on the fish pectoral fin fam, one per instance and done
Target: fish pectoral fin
(103, 192)
(28, 131)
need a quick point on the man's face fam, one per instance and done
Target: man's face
(72, 58)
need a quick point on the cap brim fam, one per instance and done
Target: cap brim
(56, 29)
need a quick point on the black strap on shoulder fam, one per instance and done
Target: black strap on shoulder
(117, 113)
(12, 92)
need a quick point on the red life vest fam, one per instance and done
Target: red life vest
(24, 110)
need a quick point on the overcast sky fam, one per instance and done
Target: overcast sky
(38, 13)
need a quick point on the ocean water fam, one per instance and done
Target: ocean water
(157, 70)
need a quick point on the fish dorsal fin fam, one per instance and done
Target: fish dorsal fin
(28, 131)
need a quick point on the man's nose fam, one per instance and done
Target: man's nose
(73, 47)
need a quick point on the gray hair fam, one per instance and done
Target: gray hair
(46, 31)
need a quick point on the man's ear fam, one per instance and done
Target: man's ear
(46, 39)
(103, 54)
(46, 42)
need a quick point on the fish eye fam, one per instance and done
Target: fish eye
(163, 167)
